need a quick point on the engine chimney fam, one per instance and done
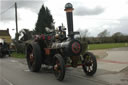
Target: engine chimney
(69, 9)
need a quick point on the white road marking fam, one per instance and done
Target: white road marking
(8, 81)
(27, 70)
(14, 61)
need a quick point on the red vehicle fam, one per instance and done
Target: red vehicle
(59, 51)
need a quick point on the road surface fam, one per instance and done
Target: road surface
(112, 70)
(12, 72)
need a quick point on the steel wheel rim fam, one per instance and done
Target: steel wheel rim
(57, 68)
(88, 62)
(31, 56)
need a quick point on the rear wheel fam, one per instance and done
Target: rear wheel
(89, 64)
(59, 67)
(33, 56)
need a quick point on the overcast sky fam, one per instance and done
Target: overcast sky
(92, 15)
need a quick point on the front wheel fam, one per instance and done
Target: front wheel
(59, 67)
(89, 64)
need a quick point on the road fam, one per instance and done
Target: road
(12, 72)
(112, 70)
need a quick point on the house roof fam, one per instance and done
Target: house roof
(4, 33)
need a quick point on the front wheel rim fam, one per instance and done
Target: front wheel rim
(88, 63)
(57, 68)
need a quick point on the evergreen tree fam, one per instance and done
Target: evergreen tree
(44, 20)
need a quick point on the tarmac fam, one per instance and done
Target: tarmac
(116, 60)
(112, 67)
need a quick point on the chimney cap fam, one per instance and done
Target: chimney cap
(68, 5)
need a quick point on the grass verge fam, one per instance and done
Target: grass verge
(18, 55)
(106, 46)
(90, 47)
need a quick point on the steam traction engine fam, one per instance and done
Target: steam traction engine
(57, 50)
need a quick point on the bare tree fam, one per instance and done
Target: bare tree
(103, 35)
(84, 34)
(118, 36)
(25, 34)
